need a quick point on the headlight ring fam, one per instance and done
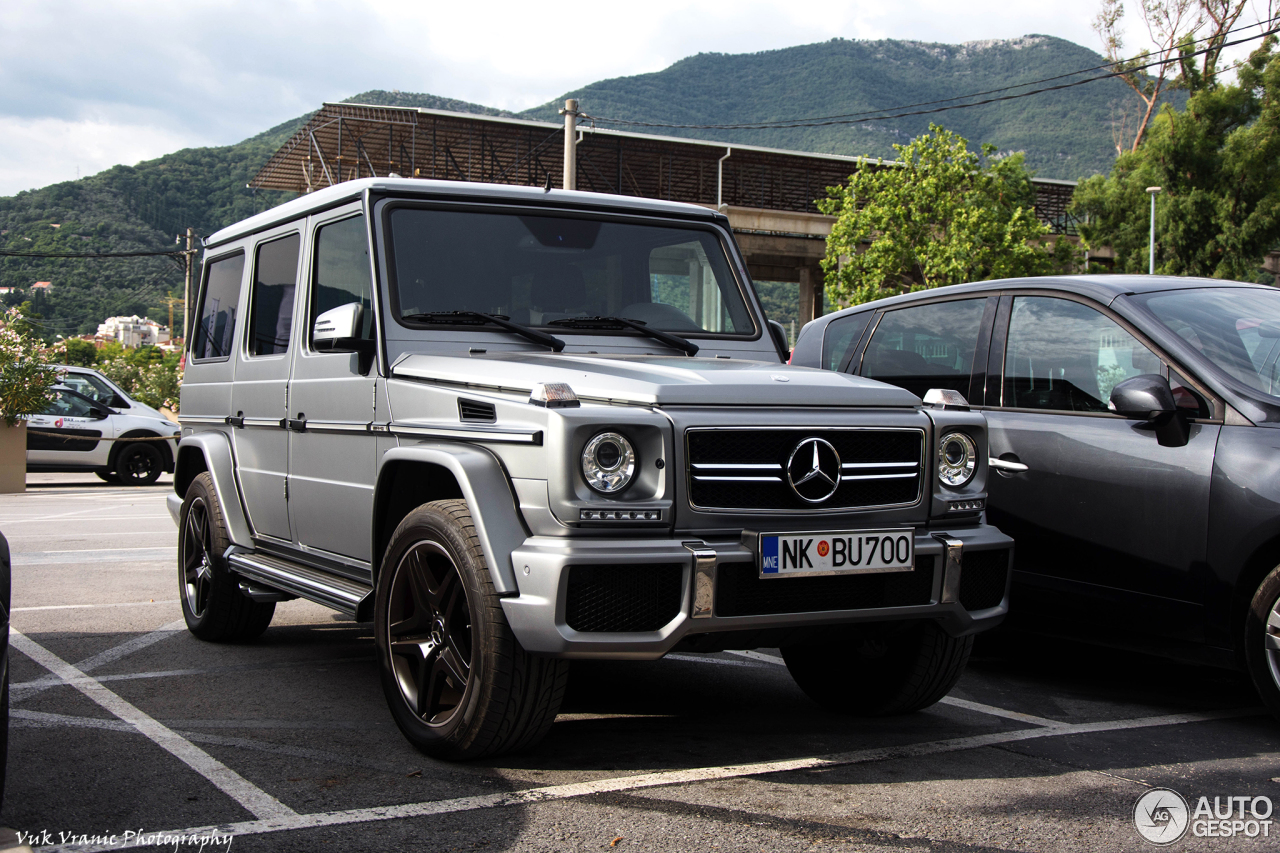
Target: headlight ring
(957, 459)
(608, 462)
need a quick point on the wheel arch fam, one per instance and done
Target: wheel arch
(118, 446)
(211, 451)
(432, 471)
(1256, 566)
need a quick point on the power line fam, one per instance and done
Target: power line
(8, 254)
(870, 115)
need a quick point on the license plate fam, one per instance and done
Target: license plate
(851, 552)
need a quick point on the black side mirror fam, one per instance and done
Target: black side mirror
(1148, 398)
(779, 333)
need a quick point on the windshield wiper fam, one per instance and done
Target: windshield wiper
(502, 320)
(667, 338)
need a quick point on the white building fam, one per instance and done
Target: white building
(132, 331)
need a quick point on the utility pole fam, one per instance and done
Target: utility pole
(189, 255)
(570, 113)
(1151, 250)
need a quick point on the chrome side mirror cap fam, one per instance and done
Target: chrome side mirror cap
(337, 324)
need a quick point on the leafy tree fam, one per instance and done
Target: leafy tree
(25, 374)
(81, 353)
(941, 215)
(1218, 164)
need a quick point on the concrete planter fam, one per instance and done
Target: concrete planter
(13, 457)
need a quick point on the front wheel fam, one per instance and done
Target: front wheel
(879, 669)
(1262, 640)
(457, 681)
(139, 465)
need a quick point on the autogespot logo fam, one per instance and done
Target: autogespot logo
(1161, 816)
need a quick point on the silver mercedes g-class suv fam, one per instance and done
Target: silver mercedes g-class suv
(512, 427)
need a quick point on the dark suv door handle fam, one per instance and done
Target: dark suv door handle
(298, 424)
(1007, 466)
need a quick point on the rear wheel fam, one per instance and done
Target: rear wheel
(457, 681)
(1262, 640)
(139, 465)
(879, 669)
(212, 603)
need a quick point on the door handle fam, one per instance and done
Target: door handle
(1006, 466)
(236, 420)
(298, 424)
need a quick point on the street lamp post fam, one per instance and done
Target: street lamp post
(1151, 243)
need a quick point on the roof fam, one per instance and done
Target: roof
(1102, 288)
(421, 188)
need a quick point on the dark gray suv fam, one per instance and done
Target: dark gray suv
(1135, 431)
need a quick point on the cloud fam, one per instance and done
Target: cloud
(95, 83)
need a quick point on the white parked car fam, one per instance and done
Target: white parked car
(78, 433)
(100, 389)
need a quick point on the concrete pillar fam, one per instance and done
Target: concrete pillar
(810, 293)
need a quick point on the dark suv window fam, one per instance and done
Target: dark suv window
(1066, 356)
(841, 336)
(342, 270)
(275, 275)
(926, 346)
(217, 326)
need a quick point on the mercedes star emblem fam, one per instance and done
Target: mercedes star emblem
(814, 470)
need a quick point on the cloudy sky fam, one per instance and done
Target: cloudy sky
(87, 85)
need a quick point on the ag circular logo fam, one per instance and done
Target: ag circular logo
(814, 470)
(1161, 816)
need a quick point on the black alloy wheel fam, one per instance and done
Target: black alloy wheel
(197, 567)
(430, 633)
(212, 604)
(139, 465)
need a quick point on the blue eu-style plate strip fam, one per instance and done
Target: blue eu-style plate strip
(769, 555)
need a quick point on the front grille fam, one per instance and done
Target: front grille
(983, 575)
(623, 598)
(747, 468)
(740, 591)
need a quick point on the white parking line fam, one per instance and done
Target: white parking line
(760, 656)
(672, 777)
(91, 606)
(49, 681)
(93, 555)
(256, 801)
(102, 658)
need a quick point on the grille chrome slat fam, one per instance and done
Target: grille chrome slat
(724, 465)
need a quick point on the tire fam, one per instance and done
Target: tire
(1262, 640)
(212, 603)
(457, 681)
(139, 465)
(880, 669)
(108, 476)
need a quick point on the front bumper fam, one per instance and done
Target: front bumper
(543, 566)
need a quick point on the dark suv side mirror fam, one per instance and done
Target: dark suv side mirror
(1148, 398)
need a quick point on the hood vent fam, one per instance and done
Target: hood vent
(474, 411)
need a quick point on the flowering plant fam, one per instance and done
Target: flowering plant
(25, 371)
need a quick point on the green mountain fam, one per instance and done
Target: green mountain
(1065, 134)
(142, 208)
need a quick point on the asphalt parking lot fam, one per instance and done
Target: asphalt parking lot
(121, 722)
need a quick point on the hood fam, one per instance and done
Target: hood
(658, 380)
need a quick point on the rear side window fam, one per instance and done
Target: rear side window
(926, 346)
(275, 277)
(217, 326)
(841, 336)
(342, 271)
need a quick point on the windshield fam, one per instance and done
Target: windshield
(90, 386)
(1237, 330)
(538, 269)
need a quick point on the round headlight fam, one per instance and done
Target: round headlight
(608, 462)
(957, 459)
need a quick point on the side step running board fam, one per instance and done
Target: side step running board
(341, 594)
